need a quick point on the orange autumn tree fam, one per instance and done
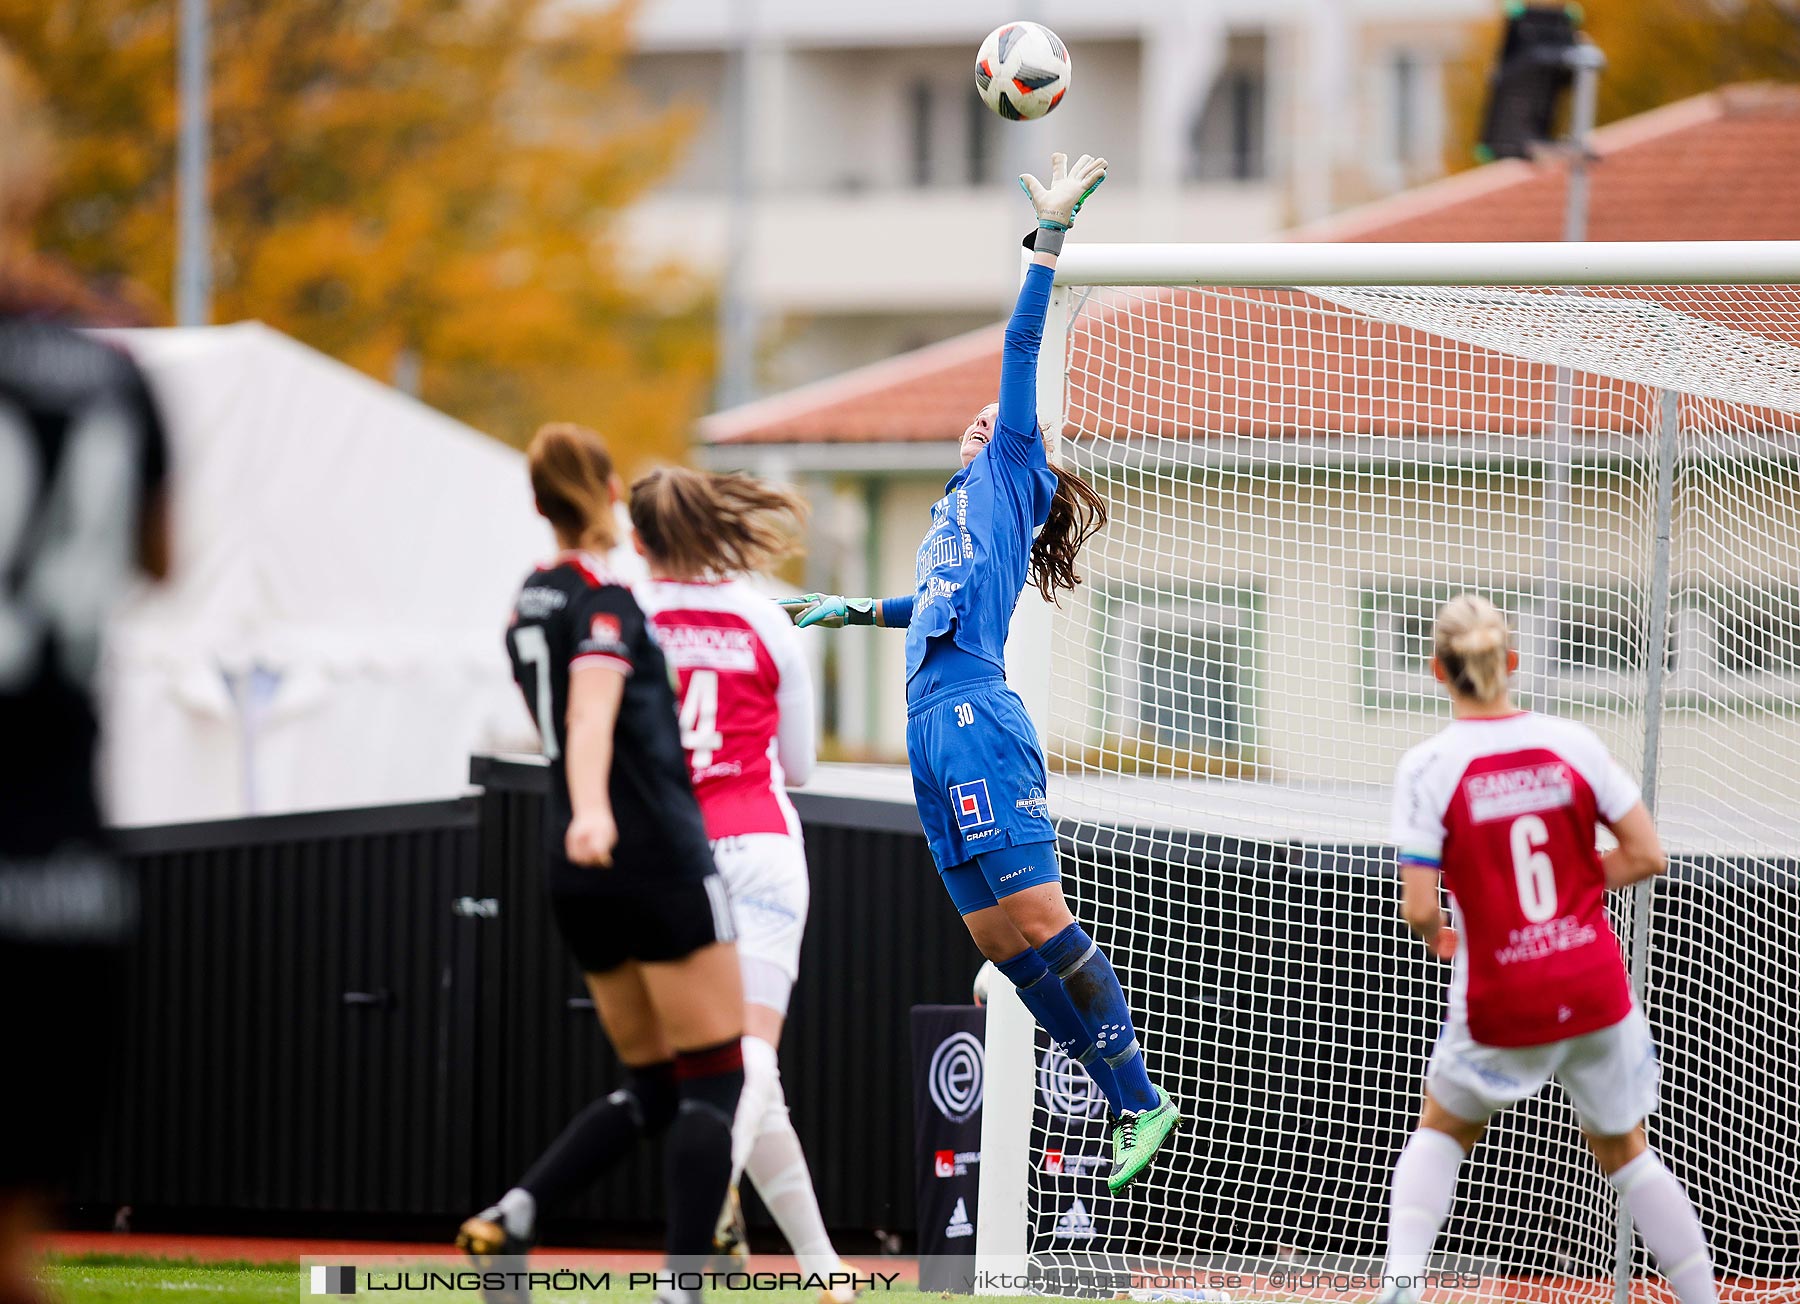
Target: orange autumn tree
(401, 183)
(1657, 52)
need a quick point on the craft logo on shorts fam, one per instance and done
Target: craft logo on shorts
(333, 1280)
(954, 1078)
(973, 809)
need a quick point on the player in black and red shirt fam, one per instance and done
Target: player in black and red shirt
(631, 876)
(82, 462)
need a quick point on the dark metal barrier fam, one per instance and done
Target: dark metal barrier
(298, 997)
(365, 1018)
(367, 1015)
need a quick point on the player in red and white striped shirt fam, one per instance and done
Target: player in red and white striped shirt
(1502, 807)
(746, 704)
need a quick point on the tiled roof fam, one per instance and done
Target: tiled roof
(1721, 166)
(906, 398)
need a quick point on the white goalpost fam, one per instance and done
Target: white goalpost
(1306, 449)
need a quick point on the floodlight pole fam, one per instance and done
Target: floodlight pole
(1586, 60)
(193, 215)
(737, 313)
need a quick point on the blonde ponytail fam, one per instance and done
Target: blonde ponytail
(571, 478)
(1471, 641)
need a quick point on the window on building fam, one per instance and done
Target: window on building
(1401, 630)
(1398, 617)
(1727, 644)
(1228, 140)
(1740, 643)
(919, 117)
(1189, 681)
(1403, 73)
(1598, 631)
(980, 122)
(1757, 632)
(1590, 644)
(1179, 667)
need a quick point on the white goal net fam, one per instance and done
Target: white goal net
(1298, 478)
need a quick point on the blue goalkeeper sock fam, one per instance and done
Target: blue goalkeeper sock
(1098, 999)
(1048, 1001)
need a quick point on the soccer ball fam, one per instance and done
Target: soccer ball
(985, 978)
(1022, 71)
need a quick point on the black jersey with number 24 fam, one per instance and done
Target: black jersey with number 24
(572, 614)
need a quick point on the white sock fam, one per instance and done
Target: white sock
(762, 1086)
(1671, 1232)
(778, 1167)
(1424, 1185)
(518, 1209)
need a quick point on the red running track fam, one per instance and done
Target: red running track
(272, 1249)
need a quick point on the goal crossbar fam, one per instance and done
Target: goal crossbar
(1649, 262)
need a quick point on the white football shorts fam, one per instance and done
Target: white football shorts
(1611, 1075)
(765, 873)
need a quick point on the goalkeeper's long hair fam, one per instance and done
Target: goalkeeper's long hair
(696, 524)
(1077, 514)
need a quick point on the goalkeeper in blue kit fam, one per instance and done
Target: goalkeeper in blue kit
(1007, 518)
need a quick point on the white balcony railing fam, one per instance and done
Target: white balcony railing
(918, 250)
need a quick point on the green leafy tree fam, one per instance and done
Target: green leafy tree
(404, 184)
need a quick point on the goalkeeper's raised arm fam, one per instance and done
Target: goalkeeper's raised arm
(1008, 518)
(1075, 510)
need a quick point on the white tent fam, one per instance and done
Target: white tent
(345, 560)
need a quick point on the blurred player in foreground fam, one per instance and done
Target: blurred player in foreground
(82, 514)
(1008, 518)
(747, 723)
(631, 877)
(1502, 806)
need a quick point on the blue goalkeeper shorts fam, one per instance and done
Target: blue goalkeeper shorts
(979, 779)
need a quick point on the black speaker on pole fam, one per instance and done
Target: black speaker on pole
(1533, 73)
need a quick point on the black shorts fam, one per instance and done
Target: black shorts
(65, 925)
(632, 917)
(64, 1015)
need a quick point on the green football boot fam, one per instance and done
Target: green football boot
(1137, 1138)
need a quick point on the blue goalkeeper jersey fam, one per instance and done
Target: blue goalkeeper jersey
(975, 561)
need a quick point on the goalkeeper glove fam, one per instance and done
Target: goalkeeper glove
(828, 610)
(1057, 203)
